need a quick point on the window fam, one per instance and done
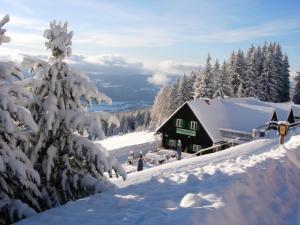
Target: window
(193, 125)
(179, 122)
(196, 148)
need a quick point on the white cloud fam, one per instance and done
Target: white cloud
(160, 73)
(159, 79)
(108, 65)
(173, 67)
(117, 64)
(164, 70)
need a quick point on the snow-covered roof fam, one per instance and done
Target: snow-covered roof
(215, 114)
(295, 107)
(283, 110)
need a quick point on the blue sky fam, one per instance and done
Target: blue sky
(160, 36)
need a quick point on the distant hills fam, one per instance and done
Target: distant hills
(125, 87)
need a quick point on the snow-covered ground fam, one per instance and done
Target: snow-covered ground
(253, 183)
(121, 141)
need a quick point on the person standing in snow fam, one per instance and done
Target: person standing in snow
(140, 166)
(179, 149)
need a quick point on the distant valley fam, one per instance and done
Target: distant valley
(128, 92)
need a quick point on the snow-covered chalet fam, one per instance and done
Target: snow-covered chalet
(205, 122)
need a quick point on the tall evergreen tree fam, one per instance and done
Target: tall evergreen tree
(296, 93)
(216, 73)
(272, 74)
(257, 63)
(197, 85)
(239, 71)
(175, 101)
(268, 78)
(251, 73)
(205, 86)
(185, 89)
(71, 166)
(234, 76)
(285, 91)
(278, 57)
(223, 85)
(19, 191)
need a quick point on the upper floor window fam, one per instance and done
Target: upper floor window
(179, 122)
(193, 125)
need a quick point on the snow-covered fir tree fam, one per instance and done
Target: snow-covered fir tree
(161, 107)
(262, 81)
(239, 71)
(175, 101)
(296, 92)
(19, 191)
(285, 79)
(252, 73)
(185, 90)
(223, 85)
(216, 73)
(196, 85)
(204, 85)
(269, 76)
(71, 166)
(234, 79)
(279, 76)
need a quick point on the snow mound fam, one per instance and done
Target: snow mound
(192, 180)
(192, 200)
(200, 200)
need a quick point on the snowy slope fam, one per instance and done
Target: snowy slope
(254, 183)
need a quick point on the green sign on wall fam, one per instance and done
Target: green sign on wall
(186, 132)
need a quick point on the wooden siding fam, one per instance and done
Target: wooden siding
(168, 130)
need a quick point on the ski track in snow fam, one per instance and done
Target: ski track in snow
(254, 183)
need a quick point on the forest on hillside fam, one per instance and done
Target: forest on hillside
(262, 72)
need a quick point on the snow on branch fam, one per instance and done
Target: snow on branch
(4, 38)
(8, 69)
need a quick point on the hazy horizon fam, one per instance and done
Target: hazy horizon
(157, 38)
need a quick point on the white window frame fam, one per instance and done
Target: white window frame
(193, 125)
(179, 122)
(196, 148)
